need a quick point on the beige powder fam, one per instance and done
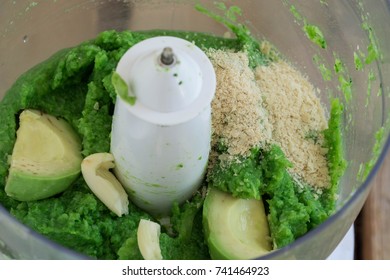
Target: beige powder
(295, 113)
(238, 115)
(273, 104)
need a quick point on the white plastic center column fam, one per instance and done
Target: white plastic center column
(161, 143)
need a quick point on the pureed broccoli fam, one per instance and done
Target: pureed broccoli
(294, 208)
(75, 84)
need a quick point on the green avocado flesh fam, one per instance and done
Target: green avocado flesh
(46, 157)
(76, 85)
(238, 232)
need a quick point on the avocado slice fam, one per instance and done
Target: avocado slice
(46, 157)
(235, 228)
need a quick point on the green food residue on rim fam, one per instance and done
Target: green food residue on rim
(334, 143)
(371, 78)
(312, 32)
(373, 52)
(365, 168)
(315, 35)
(345, 81)
(295, 13)
(358, 60)
(324, 70)
(243, 34)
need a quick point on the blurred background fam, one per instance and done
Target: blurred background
(372, 226)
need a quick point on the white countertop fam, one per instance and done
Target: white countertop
(346, 248)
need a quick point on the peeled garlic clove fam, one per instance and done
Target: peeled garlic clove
(96, 172)
(148, 236)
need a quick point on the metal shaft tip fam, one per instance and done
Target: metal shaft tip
(167, 57)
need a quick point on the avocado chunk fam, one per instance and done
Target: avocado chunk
(235, 228)
(46, 157)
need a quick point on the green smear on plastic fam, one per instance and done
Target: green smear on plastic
(323, 2)
(345, 81)
(371, 78)
(122, 89)
(358, 61)
(373, 52)
(249, 44)
(295, 13)
(366, 168)
(336, 161)
(315, 35)
(312, 32)
(324, 70)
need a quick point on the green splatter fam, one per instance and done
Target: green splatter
(336, 161)
(231, 12)
(315, 35)
(221, 6)
(312, 32)
(338, 66)
(295, 13)
(334, 143)
(358, 61)
(373, 52)
(324, 70)
(122, 89)
(371, 78)
(323, 2)
(379, 93)
(346, 87)
(345, 81)
(179, 166)
(248, 43)
(366, 168)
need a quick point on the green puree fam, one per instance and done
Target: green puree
(76, 84)
(294, 208)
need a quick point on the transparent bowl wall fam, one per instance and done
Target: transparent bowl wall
(32, 31)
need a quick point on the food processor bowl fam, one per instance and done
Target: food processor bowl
(354, 31)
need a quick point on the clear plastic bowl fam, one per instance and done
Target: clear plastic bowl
(32, 31)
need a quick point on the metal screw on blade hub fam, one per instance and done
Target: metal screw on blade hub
(167, 57)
